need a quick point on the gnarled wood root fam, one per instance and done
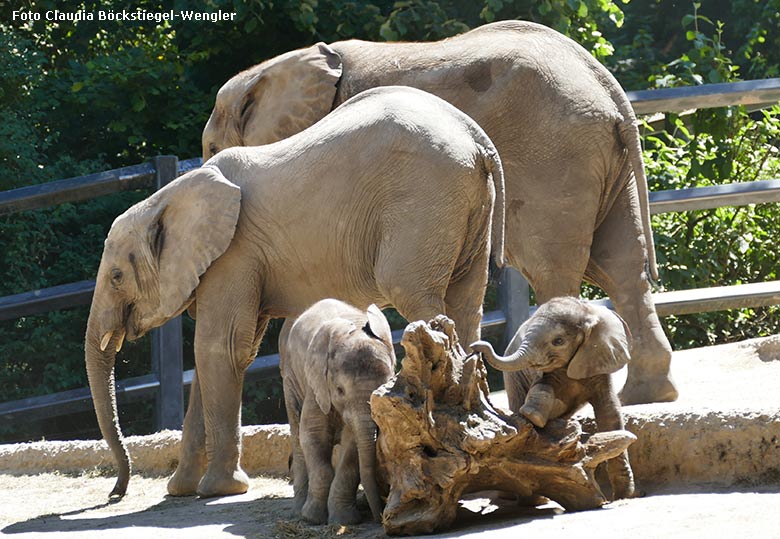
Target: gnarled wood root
(441, 438)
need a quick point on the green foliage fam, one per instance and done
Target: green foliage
(724, 246)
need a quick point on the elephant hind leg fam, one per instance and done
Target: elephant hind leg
(464, 299)
(412, 299)
(617, 265)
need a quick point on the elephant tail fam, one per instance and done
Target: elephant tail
(629, 135)
(492, 163)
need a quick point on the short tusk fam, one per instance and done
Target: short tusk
(121, 341)
(105, 340)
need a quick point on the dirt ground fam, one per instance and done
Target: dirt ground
(59, 507)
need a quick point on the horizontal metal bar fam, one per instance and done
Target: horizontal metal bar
(74, 400)
(85, 187)
(46, 299)
(667, 303)
(717, 298)
(489, 319)
(189, 164)
(76, 189)
(750, 92)
(131, 389)
(714, 298)
(715, 196)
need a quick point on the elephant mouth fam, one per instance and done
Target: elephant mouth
(549, 365)
(127, 329)
(130, 323)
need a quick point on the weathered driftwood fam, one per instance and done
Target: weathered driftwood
(441, 438)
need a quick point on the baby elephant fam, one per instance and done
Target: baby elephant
(332, 358)
(566, 353)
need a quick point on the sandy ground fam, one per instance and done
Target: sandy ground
(738, 381)
(58, 506)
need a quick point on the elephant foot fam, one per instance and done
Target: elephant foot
(299, 500)
(534, 416)
(315, 511)
(183, 483)
(221, 484)
(643, 390)
(623, 491)
(344, 515)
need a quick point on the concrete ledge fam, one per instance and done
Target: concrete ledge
(725, 448)
(724, 429)
(265, 450)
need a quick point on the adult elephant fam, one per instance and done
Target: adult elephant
(577, 204)
(265, 232)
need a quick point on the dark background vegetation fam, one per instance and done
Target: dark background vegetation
(81, 97)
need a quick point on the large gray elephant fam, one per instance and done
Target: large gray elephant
(389, 200)
(564, 356)
(566, 133)
(332, 357)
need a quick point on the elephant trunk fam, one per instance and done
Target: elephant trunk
(365, 437)
(100, 355)
(513, 362)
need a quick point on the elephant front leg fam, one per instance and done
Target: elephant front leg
(227, 335)
(300, 475)
(539, 404)
(606, 409)
(222, 413)
(317, 444)
(192, 455)
(342, 507)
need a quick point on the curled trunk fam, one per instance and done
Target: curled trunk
(365, 437)
(100, 371)
(513, 362)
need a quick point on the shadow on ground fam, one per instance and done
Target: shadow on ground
(243, 518)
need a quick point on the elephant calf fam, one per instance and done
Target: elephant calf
(332, 358)
(564, 355)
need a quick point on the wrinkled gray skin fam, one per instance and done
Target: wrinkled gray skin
(577, 203)
(564, 355)
(333, 357)
(265, 232)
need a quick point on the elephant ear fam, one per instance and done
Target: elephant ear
(195, 219)
(319, 358)
(377, 325)
(605, 348)
(288, 94)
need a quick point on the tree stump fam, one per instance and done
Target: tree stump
(440, 438)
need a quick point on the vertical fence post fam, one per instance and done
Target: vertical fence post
(513, 300)
(167, 355)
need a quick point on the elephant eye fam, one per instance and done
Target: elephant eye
(213, 149)
(116, 276)
(558, 341)
(340, 391)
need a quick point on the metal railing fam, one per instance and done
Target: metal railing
(167, 380)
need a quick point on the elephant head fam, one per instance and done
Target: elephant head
(293, 90)
(345, 364)
(152, 261)
(566, 332)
